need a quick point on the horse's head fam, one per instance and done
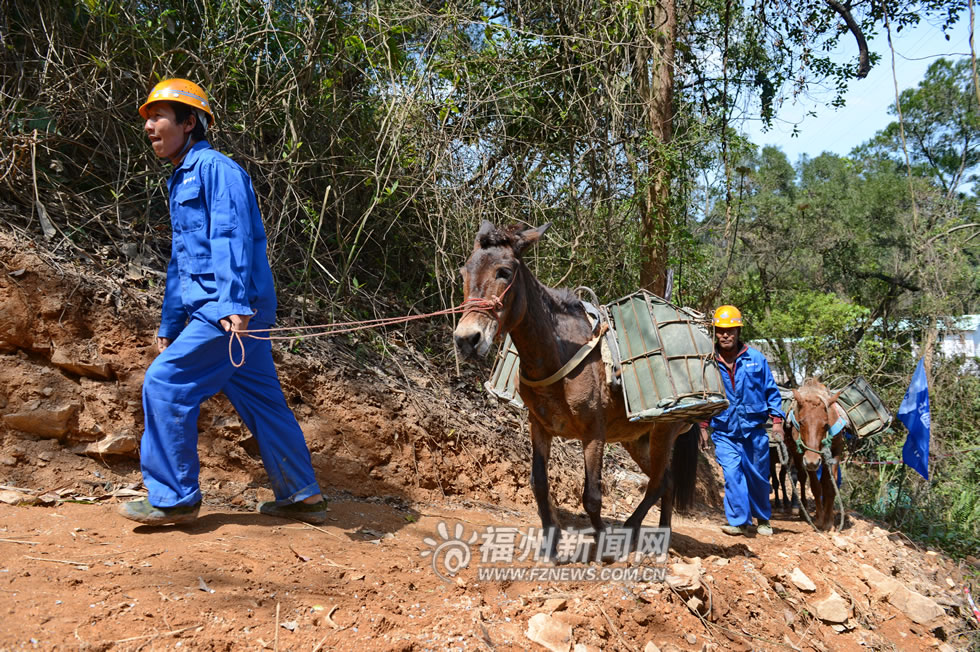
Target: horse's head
(492, 286)
(815, 413)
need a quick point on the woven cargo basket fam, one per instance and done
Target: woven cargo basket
(867, 414)
(666, 366)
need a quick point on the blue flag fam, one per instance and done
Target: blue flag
(914, 413)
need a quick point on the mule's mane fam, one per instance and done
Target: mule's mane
(565, 300)
(498, 237)
(812, 391)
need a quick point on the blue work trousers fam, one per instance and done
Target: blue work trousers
(193, 368)
(744, 459)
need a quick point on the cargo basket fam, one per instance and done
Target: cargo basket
(668, 368)
(867, 414)
(503, 380)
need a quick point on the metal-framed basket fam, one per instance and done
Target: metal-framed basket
(664, 363)
(865, 410)
(668, 371)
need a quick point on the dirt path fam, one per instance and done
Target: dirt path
(406, 453)
(78, 576)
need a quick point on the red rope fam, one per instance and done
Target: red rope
(976, 612)
(477, 304)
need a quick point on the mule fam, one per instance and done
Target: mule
(549, 327)
(813, 447)
(781, 463)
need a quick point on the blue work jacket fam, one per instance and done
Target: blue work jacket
(218, 262)
(752, 394)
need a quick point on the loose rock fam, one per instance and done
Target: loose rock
(97, 370)
(802, 582)
(685, 578)
(123, 443)
(44, 423)
(916, 606)
(833, 609)
(549, 632)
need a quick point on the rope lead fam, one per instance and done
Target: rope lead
(491, 306)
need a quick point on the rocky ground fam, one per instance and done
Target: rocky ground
(408, 452)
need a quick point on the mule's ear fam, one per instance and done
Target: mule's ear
(833, 399)
(529, 237)
(796, 395)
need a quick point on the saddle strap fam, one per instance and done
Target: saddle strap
(571, 364)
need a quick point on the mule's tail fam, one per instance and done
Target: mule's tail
(684, 467)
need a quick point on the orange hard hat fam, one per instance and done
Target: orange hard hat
(727, 317)
(183, 91)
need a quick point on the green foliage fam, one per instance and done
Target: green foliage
(812, 326)
(945, 510)
(810, 314)
(941, 121)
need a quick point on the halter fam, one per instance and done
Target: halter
(491, 306)
(832, 431)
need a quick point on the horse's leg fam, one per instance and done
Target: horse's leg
(801, 476)
(540, 452)
(828, 499)
(783, 469)
(658, 458)
(592, 492)
(667, 500)
(795, 483)
(639, 450)
(774, 479)
(816, 486)
(830, 471)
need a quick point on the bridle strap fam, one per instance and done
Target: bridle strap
(825, 443)
(491, 306)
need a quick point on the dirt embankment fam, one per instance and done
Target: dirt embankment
(401, 447)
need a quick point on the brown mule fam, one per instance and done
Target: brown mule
(549, 327)
(812, 447)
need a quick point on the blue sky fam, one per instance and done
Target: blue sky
(867, 100)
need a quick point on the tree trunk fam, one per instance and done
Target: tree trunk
(654, 69)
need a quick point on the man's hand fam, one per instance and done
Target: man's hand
(162, 343)
(235, 322)
(704, 438)
(779, 430)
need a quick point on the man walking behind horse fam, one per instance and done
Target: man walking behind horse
(739, 433)
(218, 281)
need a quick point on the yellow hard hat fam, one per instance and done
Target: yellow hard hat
(727, 317)
(178, 90)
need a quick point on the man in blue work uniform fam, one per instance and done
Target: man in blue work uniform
(218, 282)
(739, 433)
